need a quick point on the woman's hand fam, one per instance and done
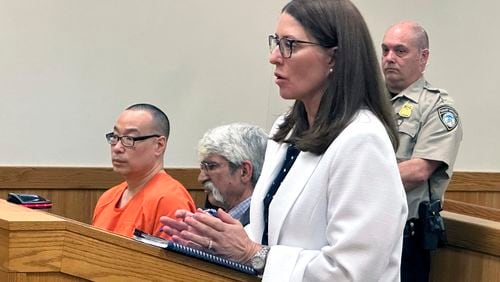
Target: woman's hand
(174, 227)
(222, 235)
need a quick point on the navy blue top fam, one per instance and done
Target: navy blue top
(291, 155)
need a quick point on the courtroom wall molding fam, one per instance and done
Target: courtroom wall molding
(98, 178)
(45, 177)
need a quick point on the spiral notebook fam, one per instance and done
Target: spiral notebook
(181, 249)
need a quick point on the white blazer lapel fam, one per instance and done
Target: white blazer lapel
(290, 189)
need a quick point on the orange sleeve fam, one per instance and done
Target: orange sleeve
(168, 205)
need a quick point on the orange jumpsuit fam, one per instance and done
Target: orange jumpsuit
(162, 195)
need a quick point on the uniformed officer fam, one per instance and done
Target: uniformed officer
(430, 132)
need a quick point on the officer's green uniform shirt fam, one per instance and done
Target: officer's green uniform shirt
(429, 128)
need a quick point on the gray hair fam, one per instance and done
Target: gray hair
(236, 142)
(419, 34)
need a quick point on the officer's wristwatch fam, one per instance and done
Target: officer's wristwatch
(259, 259)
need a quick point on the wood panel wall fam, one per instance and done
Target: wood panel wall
(479, 188)
(75, 190)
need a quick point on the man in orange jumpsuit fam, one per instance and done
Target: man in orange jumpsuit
(138, 144)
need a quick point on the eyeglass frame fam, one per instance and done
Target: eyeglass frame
(274, 41)
(133, 138)
(207, 167)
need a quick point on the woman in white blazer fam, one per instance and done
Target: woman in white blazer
(329, 204)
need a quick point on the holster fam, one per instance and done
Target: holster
(433, 231)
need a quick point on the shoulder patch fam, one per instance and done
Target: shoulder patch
(448, 117)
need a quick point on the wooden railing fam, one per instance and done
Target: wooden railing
(473, 251)
(471, 213)
(472, 210)
(74, 191)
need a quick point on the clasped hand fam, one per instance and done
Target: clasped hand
(222, 235)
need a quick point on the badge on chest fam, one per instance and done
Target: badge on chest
(405, 110)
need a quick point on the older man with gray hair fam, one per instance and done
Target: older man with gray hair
(231, 160)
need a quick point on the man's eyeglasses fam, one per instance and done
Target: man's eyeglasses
(208, 166)
(127, 141)
(286, 45)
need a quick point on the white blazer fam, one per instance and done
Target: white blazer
(338, 216)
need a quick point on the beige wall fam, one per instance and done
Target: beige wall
(69, 67)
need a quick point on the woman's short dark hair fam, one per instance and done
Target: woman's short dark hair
(355, 83)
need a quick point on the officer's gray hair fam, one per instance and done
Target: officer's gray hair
(421, 36)
(236, 142)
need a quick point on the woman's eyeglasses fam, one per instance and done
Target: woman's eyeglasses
(286, 45)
